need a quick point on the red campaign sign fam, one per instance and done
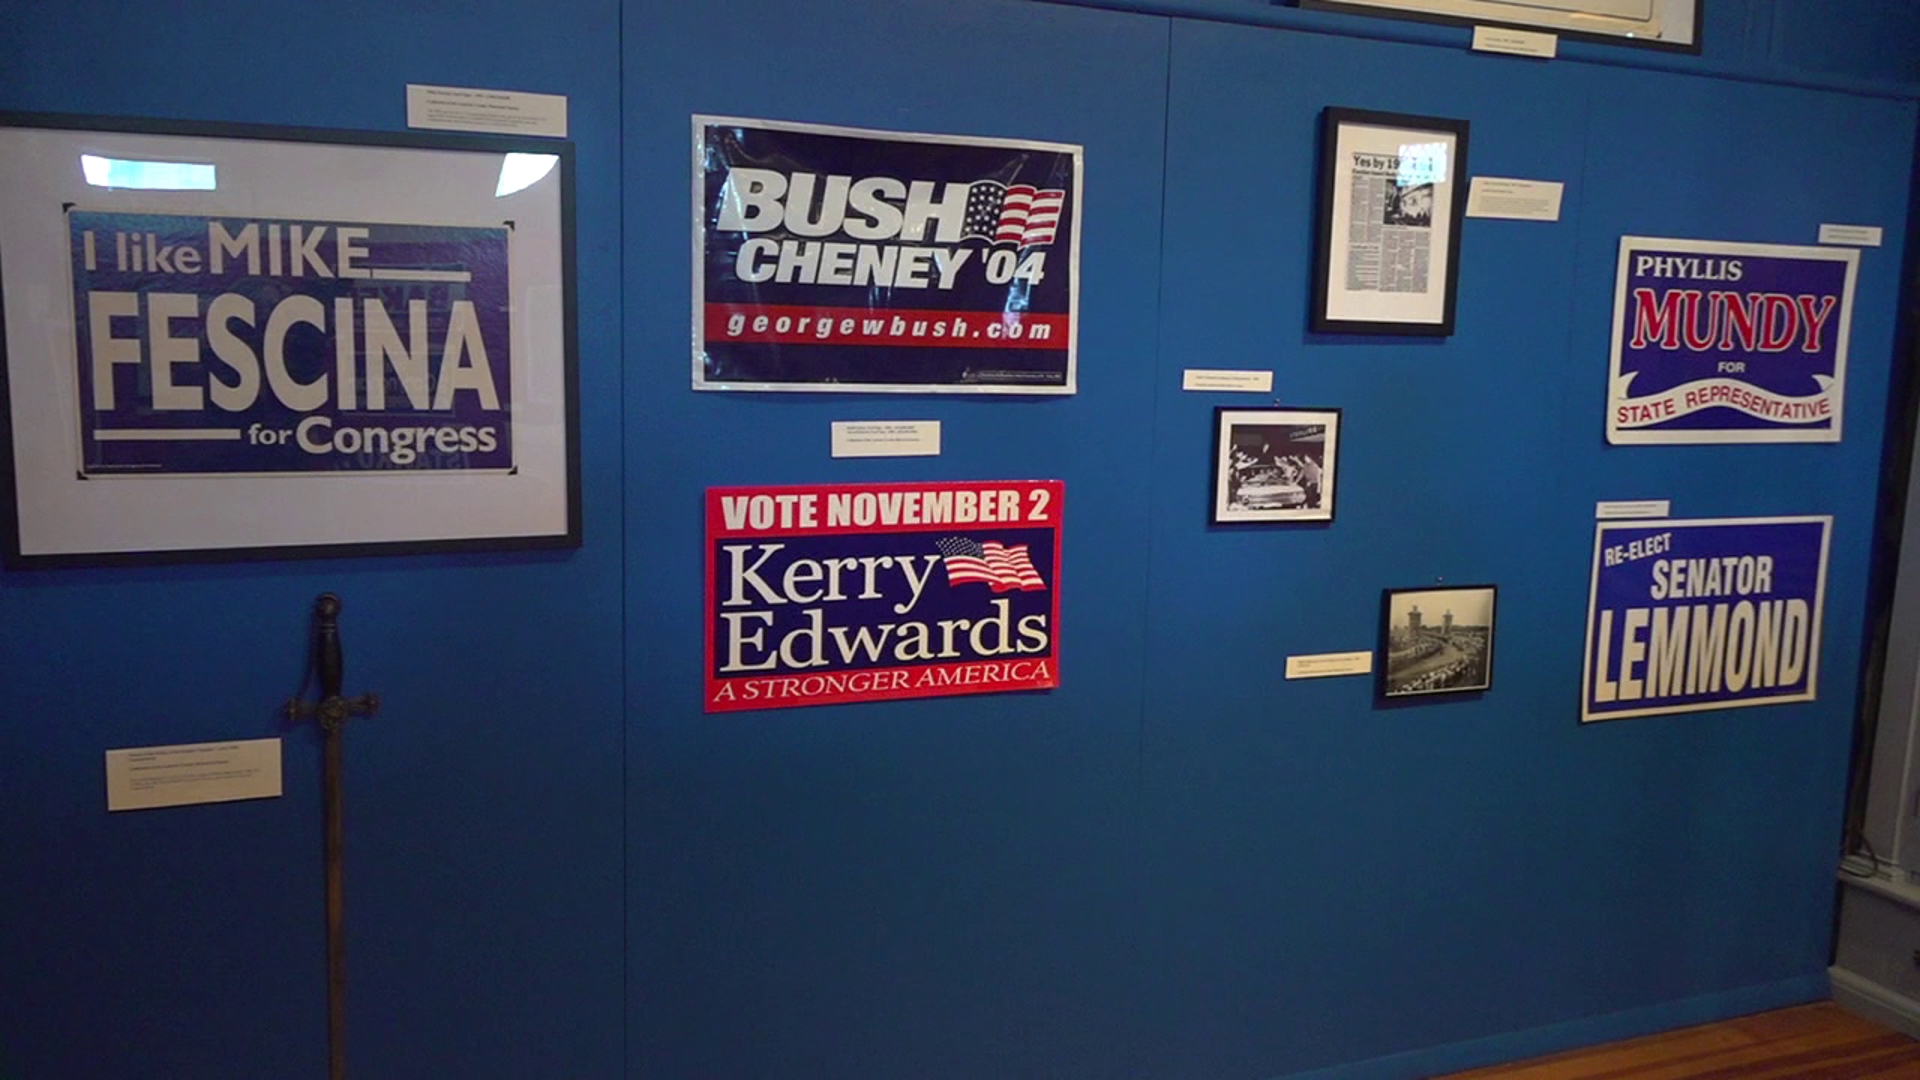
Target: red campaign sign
(835, 593)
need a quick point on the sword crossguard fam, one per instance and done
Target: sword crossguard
(332, 709)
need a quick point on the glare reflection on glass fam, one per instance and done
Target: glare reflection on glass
(146, 175)
(519, 172)
(1423, 163)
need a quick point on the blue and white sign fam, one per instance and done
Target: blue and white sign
(1703, 614)
(232, 346)
(1729, 343)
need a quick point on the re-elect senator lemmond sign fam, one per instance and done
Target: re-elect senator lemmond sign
(1704, 614)
(227, 345)
(837, 259)
(867, 592)
(1725, 342)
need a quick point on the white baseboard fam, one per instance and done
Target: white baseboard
(1865, 998)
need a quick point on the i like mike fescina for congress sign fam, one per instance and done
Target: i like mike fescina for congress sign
(1717, 342)
(821, 594)
(844, 259)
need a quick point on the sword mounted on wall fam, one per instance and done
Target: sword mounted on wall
(332, 712)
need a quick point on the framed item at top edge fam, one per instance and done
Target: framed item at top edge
(1387, 243)
(1436, 640)
(1670, 25)
(222, 341)
(1274, 464)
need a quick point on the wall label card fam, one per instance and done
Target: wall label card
(1631, 509)
(148, 777)
(214, 346)
(1719, 342)
(886, 438)
(465, 108)
(1505, 39)
(1258, 382)
(1703, 614)
(1514, 200)
(1322, 665)
(1852, 235)
(835, 593)
(843, 259)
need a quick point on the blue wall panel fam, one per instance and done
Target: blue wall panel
(939, 888)
(484, 803)
(1333, 880)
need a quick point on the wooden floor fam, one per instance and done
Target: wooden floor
(1811, 1042)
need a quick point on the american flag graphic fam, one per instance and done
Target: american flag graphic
(1006, 569)
(1021, 214)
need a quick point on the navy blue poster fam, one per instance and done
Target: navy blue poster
(227, 346)
(1704, 614)
(1729, 343)
(843, 259)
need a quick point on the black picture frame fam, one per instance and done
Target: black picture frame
(53, 514)
(1421, 657)
(1274, 465)
(1689, 47)
(1421, 206)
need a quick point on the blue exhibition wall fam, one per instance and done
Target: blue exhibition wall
(1178, 864)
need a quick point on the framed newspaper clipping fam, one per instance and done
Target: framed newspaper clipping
(1387, 248)
(225, 342)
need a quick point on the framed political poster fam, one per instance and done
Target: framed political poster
(1659, 24)
(1720, 342)
(843, 259)
(1711, 613)
(1391, 202)
(250, 342)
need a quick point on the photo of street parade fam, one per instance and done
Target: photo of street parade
(1274, 464)
(1437, 641)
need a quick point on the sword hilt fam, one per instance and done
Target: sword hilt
(332, 710)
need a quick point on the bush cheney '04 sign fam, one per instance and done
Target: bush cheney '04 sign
(1706, 614)
(226, 346)
(1729, 343)
(843, 259)
(866, 592)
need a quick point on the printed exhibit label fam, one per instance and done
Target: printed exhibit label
(466, 108)
(1704, 614)
(1729, 343)
(227, 346)
(1514, 200)
(148, 777)
(1852, 235)
(832, 593)
(1629, 509)
(886, 438)
(1323, 665)
(841, 259)
(1502, 39)
(1258, 382)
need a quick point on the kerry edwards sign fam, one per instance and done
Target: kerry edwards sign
(211, 345)
(866, 592)
(843, 259)
(1723, 343)
(1704, 614)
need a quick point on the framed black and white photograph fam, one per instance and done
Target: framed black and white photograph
(1274, 464)
(226, 341)
(1436, 641)
(1387, 244)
